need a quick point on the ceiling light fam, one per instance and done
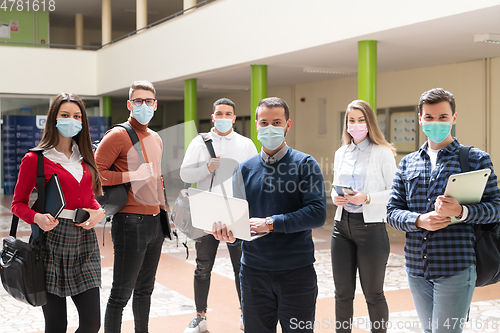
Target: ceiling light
(487, 38)
(224, 87)
(326, 70)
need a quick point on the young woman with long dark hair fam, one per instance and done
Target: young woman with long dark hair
(70, 252)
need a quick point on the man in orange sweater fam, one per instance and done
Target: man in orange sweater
(136, 229)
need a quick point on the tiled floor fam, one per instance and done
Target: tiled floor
(173, 306)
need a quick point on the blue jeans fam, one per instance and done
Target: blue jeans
(137, 241)
(288, 296)
(442, 304)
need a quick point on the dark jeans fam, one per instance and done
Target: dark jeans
(288, 296)
(364, 246)
(137, 241)
(206, 249)
(87, 305)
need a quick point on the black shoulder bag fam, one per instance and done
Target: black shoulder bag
(21, 265)
(487, 240)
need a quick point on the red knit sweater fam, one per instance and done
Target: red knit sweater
(77, 194)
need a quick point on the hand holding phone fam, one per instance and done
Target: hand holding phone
(81, 216)
(344, 190)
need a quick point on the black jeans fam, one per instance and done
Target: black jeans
(206, 249)
(137, 242)
(87, 305)
(364, 246)
(288, 296)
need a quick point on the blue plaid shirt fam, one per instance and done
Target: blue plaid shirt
(445, 252)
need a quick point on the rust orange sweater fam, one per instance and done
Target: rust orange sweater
(146, 196)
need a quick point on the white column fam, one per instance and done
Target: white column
(188, 4)
(142, 14)
(79, 31)
(106, 21)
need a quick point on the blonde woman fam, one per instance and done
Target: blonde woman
(366, 163)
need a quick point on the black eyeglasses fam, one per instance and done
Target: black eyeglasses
(139, 101)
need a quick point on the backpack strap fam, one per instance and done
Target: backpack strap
(208, 142)
(40, 181)
(134, 138)
(463, 157)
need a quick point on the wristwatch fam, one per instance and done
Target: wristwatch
(368, 199)
(270, 223)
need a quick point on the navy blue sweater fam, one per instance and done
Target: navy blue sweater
(292, 192)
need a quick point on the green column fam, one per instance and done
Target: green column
(258, 92)
(106, 106)
(367, 72)
(190, 110)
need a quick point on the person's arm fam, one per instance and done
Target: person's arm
(107, 153)
(388, 168)
(313, 211)
(194, 165)
(337, 199)
(26, 182)
(398, 214)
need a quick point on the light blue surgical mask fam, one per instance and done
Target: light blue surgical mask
(143, 113)
(68, 127)
(436, 131)
(223, 125)
(271, 136)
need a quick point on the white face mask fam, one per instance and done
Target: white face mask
(223, 125)
(271, 136)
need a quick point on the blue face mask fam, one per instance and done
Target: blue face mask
(223, 125)
(68, 127)
(436, 131)
(143, 113)
(271, 136)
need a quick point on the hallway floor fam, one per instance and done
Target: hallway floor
(173, 306)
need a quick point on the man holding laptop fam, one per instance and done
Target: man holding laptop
(440, 257)
(214, 174)
(286, 197)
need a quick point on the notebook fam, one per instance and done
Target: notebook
(54, 198)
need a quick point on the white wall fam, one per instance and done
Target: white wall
(27, 70)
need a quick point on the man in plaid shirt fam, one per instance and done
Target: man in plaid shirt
(440, 257)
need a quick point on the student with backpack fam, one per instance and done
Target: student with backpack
(440, 256)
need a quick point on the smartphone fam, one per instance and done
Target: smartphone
(344, 190)
(81, 216)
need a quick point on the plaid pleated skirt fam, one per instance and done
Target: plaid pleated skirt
(71, 258)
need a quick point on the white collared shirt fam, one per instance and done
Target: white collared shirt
(232, 149)
(73, 164)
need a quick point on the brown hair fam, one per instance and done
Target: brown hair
(50, 136)
(435, 96)
(374, 133)
(273, 102)
(141, 85)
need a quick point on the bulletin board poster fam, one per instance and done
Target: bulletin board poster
(404, 131)
(20, 133)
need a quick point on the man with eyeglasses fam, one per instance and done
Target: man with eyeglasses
(198, 167)
(136, 229)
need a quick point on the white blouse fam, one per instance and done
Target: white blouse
(73, 164)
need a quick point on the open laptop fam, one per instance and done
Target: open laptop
(208, 207)
(467, 187)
